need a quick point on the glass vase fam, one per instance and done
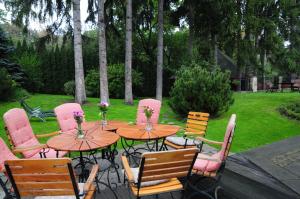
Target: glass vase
(148, 127)
(103, 119)
(80, 133)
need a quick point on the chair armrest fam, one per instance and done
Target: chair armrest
(201, 133)
(205, 157)
(47, 134)
(209, 141)
(29, 148)
(127, 169)
(91, 179)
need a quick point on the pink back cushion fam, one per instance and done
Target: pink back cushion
(228, 135)
(20, 130)
(6, 154)
(65, 116)
(155, 104)
(211, 166)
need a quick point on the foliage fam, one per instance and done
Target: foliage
(198, 89)
(15, 71)
(9, 89)
(116, 78)
(31, 63)
(6, 85)
(69, 88)
(291, 110)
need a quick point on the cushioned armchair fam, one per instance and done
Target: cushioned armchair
(212, 166)
(158, 172)
(155, 104)
(48, 178)
(22, 138)
(196, 126)
(65, 116)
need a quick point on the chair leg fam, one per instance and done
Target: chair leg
(216, 191)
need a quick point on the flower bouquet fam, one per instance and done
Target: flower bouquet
(103, 107)
(148, 113)
(78, 116)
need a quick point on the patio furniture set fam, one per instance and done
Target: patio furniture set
(149, 170)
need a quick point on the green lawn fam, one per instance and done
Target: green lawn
(258, 122)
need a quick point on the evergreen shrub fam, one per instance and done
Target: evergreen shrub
(116, 81)
(69, 88)
(197, 88)
(291, 110)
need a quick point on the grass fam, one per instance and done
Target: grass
(258, 121)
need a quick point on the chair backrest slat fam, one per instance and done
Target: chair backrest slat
(166, 165)
(41, 177)
(197, 121)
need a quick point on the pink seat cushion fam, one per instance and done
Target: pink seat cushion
(6, 154)
(207, 165)
(65, 116)
(155, 104)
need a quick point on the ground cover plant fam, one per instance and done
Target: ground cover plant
(258, 121)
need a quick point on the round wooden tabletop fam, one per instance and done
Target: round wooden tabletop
(95, 138)
(138, 132)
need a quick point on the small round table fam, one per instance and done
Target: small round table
(95, 138)
(138, 133)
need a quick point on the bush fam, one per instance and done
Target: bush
(9, 89)
(69, 88)
(198, 89)
(116, 78)
(6, 85)
(30, 62)
(291, 110)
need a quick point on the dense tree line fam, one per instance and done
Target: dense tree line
(260, 36)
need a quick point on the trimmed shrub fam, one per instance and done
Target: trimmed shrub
(69, 88)
(116, 78)
(290, 110)
(198, 89)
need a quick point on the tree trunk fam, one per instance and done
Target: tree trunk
(128, 54)
(104, 95)
(160, 46)
(80, 95)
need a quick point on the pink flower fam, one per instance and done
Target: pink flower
(78, 114)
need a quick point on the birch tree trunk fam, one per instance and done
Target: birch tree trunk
(160, 46)
(128, 54)
(104, 95)
(80, 95)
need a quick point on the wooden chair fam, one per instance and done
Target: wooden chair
(36, 112)
(22, 138)
(158, 171)
(196, 126)
(48, 177)
(212, 166)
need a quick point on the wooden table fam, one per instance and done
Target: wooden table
(95, 138)
(138, 133)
